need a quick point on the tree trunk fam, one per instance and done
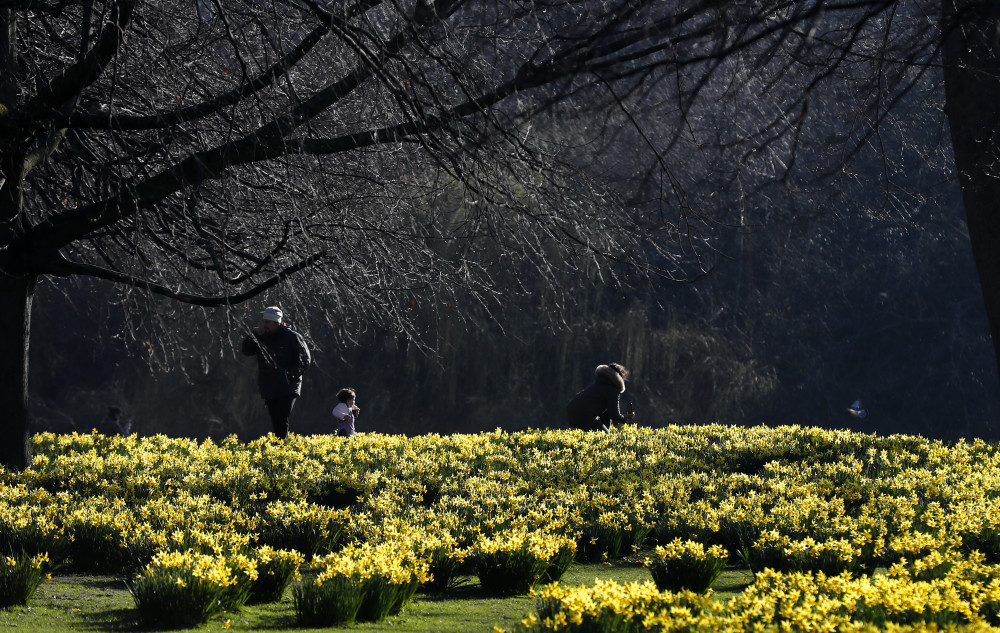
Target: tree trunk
(15, 327)
(972, 91)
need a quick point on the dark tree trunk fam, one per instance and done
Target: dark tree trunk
(972, 89)
(15, 326)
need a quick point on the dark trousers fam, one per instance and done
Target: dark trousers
(280, 408)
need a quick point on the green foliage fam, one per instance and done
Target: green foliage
(20, 576)
(600, 542)
(510, 572)
(163, 599)
(382, 596)
(97, 548)
(686, 565)
(558, 565)
(275, 571)
(446, 567)
(188, 588)
(334, 602)
(304, 527)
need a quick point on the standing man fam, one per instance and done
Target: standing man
(282, 358)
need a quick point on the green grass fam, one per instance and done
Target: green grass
(102, 603)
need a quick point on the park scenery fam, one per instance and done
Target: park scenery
(829, 530)
(765, 209)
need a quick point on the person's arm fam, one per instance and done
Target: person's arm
(615, 410)
(304, 358)
(250, 345)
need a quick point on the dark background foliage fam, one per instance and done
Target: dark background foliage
(792, 329)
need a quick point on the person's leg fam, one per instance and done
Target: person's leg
(280, 408)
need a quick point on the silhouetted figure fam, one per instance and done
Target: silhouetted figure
(282, 358)
(113, 425)
(596, 406)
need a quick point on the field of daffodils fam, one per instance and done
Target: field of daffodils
(841, 531)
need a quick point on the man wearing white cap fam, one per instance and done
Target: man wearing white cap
(282, 358)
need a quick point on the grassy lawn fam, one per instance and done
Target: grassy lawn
(102, 603)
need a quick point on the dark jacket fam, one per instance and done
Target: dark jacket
(597, 403)
(282, 358)
(112, 426)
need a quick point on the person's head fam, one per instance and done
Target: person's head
(114, 412)
(347, 396)
(620, 369)
(271, 318)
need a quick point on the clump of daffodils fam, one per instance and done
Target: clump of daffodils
(276, 569)
(515, 561)
(366, 582)
(182, 589)
(681, 565)
(20, 576)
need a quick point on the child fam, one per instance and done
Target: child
(345, 412)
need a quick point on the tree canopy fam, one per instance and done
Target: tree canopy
(364, 154)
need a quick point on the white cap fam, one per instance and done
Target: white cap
(272, 313)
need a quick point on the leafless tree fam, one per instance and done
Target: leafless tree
(375, 151)
(209, 152)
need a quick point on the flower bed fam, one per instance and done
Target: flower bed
(847, 528)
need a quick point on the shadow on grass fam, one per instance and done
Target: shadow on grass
(89, 582)
(469, 591)
(120, 620)
(273, 622)
(114, 620)
(731, 583)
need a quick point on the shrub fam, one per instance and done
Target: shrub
(446, 564)
(391, 573)
(382, 596)
(559, 562)
(603, 537)
(96, 543)
(243, 575)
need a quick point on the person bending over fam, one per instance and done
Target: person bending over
(596, 406)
